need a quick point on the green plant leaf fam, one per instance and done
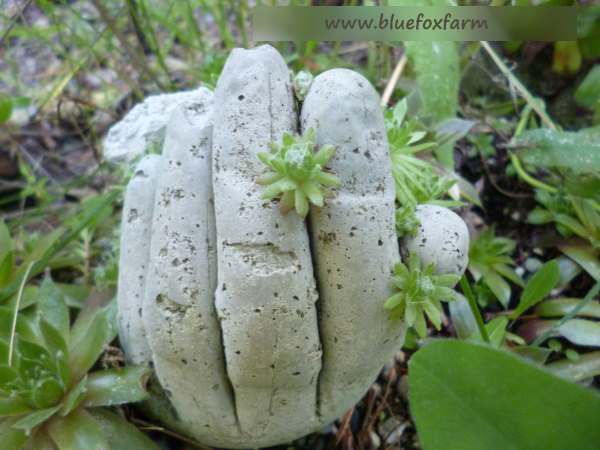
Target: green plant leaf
(562, 306)
(578, 331)
(467, 396)
(117, 386)
(47, 393)
(7, 257)
(463, 321)
(77, 431)
(53, 308)
(585, 256)
(588, 92)
(538, 287)
(585, 367)
(577, 151)
(498, 286)
(88, 345)
(34, 419)
(10, 438)
(55, 342)
(74, 397)
(496, 329)
(121, 434)
(13, 407)
(40, 440)
(296, 173)
(437, 67)
(6, 107)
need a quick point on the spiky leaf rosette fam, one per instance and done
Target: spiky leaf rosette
(47, 397)
(420, 293)
(297, 174)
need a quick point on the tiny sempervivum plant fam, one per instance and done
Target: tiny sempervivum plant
(48, 400)
(297, 174)
(420, 293)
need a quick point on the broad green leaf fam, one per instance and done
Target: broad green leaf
(31, 350)
(588, 92)
(569, 269)
(578, 151)
(562, 306)
(585, 256)
(85, 350)
(6, 243)
(6, 107)
(7, 374)
(585, 367)
(496, 330)
(462, 317)
(52, 307)
(3, 351)
(437, 68)
(467, 396)
(538, 287)
(75, 294)
(509, 273)
(578, 331)
(10, 438)
(77, 431)
(29, 298)
(7, 256)
(438, 76)
(13, 407)
(498, 286)
(87, 314)
(34, 419)
(7, 266)
(121, 434)
(117, 386)
(55, 342)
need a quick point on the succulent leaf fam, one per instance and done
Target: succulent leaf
(420, 293)
(296, 173)
(44, 390)
(117, 386)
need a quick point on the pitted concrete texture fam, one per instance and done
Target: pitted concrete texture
(144, 126)
(261, 327)
(442, 239)
(354, 241)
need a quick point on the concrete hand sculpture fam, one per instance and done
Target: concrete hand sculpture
(263, 327)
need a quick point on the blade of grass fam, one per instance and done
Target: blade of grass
(62, 83)
(134, 55)
(13, 329)
(520, 87)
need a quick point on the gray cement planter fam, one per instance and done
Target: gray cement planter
(261, 327)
